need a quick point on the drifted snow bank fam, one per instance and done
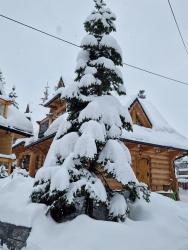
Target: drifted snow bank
(15, 205)
(162, 224)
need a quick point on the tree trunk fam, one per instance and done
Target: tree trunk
(89, 206)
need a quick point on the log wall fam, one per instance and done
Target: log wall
(5, 143)
(161, 169)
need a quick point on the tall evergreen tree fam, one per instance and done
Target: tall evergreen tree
(13, 97)
(2, 91)
(87, 149)
(46, 94)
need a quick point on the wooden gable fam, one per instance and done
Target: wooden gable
(4, 107)
(138, 115)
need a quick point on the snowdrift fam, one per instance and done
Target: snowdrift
(159, 225)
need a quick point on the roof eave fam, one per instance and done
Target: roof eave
(51, 100)
(16, 131)
(22, 143)
(41, 140)
(156, 145)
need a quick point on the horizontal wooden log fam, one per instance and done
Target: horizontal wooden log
(163, 165)
(6, 144)
(163, 155)
(160, 182)
(160, 171)
(160, 162)
(161, 176)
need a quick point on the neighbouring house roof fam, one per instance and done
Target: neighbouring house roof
(16, 122)
(28, 142)
(50, 132)
(55, 96)
(5, 98)
(24, 141)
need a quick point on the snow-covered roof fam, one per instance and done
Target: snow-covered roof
(161, 133)
(24, 141)
(5, 98)
(55, 125)
(54, 96)
(16, 121)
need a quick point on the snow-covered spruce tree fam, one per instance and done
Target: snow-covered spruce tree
(13, 97)
(87, 149)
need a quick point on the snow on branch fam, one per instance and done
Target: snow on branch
(94, 129)
(110, 42)
(89, 40)
(116, 159)
(107, 109)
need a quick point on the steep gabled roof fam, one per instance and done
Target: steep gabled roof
(27, 111)
(57, 93)
(138, 114)
(52, 99)
(60, 83)
(160, 134)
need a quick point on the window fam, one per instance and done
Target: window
(43, 127)
(25, 162)
(1, 109)
(37, 162)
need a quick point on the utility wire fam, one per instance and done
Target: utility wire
(38, 30)
(177, 25)
(76, 45)
(156, 74)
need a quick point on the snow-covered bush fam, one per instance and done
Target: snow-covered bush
(118, 208)
(87, 149)
(19, 172)
(3, 171)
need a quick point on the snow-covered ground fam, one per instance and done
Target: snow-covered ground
(159, 225)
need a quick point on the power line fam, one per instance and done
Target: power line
(177, 25)
(38, 30)
(76, 45)
(156, 74)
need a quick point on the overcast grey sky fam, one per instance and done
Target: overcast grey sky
(145, 31)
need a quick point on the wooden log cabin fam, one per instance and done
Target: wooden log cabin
(13, 125)
(153, 144)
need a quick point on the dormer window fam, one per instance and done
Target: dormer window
(43, 127)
